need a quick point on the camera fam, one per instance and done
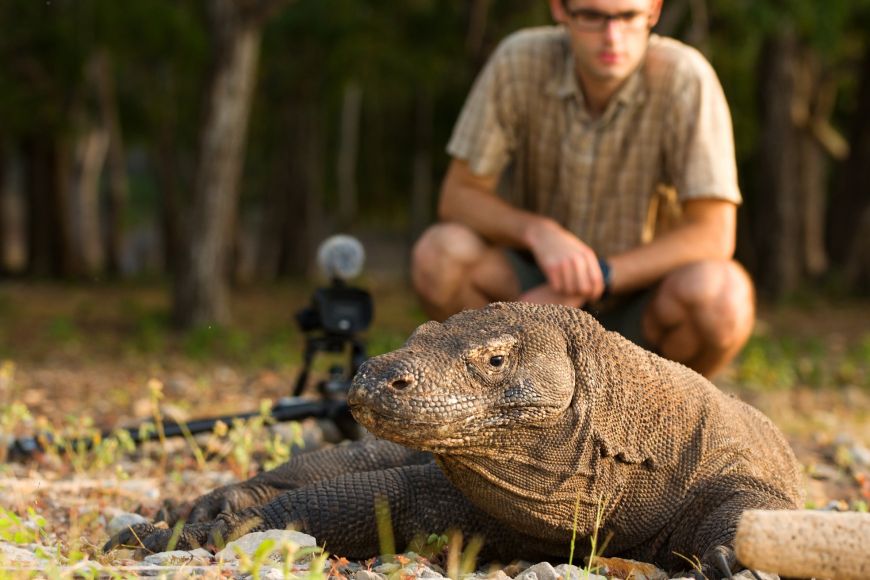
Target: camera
(338, 309)
(335, 317)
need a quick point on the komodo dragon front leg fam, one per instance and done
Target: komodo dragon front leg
(721, 502)
(340, 513)
(304, 469)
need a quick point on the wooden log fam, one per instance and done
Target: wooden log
(805, 544)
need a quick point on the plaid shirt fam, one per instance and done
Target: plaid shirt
(667, 129)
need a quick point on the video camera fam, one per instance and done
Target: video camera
(332, 322)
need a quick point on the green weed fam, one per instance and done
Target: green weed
(386, 538)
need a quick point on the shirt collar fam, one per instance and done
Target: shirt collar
(563, 83)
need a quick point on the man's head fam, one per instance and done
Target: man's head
(608, 37)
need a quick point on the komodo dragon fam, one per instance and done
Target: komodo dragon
(524, 409)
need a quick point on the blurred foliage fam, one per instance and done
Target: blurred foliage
(399, 54)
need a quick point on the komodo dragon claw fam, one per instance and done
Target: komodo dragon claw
(721, 556)
(149, 539)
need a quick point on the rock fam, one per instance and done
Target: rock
(123, 521)
(198, 557)
(567, 572)
(747, 575)
(16, 555)
(419, 570)
(824, 472)
(860, 455)
(487, 575)
(267, 574)
(368, 575)
(249, 543)
(514, 568)
(624, 568)
(545, 571)
(387, 568)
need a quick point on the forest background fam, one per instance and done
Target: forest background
(216, 142)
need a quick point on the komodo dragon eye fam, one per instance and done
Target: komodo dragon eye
(496, 360)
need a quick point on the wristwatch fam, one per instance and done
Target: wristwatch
(605, 273)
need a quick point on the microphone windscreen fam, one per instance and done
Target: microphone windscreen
(341, 256)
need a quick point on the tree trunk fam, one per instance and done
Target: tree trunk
(13, 214)
(117, 164)
(171, 203)
(49, 236)
(305, 207)
(478, 18)
(858, 264)
(795, 138)
(698, 34)
(202, 284)
(285, 244)
(5, 214)
(850, 201)
(89, 159)
(777, 222)
(348, 148)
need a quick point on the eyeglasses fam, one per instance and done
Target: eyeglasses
(591, 20)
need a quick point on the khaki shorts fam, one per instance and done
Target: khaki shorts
(622, 314)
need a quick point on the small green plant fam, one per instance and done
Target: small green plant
(18, 530)
(596, 550)
(461, 562)
(386, 538)
(155, 390)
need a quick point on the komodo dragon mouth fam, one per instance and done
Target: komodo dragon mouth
(410, 431)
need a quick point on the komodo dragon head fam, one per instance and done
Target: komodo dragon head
(452, 384)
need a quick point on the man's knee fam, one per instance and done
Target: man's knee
(717, 296)
(446, 242)
(442, 254)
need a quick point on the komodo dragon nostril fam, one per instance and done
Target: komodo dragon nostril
(400, 384)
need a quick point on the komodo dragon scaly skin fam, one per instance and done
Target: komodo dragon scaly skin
(525, 409)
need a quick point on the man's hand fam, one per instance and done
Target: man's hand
(571, 267)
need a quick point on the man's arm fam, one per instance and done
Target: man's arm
(707, 231)
(571, 267)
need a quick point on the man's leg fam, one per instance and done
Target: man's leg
(454, 269)
(702, 314)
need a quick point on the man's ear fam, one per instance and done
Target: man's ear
(655, 12)
(557, 10)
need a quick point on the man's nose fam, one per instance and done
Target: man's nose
(612, 31)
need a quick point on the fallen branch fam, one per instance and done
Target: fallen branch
(805, 544)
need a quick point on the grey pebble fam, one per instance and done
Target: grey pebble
(198, 557)
(567, 572)
(368, 575)
(747, 575)
(123, 521)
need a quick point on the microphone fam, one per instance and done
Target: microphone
(341, 257)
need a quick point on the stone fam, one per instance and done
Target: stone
(368, 575)
(418, 570)
(249, 543)
(747, 575)
(198, 557)
(540, 571)
(122, 521)
(567, 572)
(12, 554)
